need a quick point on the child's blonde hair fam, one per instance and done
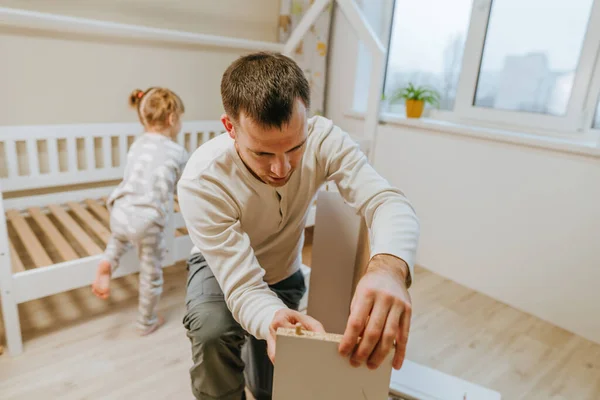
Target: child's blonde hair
(155, 105)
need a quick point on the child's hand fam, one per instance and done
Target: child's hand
(287, 318)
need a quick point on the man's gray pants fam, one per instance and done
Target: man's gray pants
(224, 361)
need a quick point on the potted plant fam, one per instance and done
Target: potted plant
(415, 98)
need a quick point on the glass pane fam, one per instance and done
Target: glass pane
(426, 47)
(377, 13)
(531, 52)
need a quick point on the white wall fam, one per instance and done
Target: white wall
(255, 19)
(48, 78)
(517, 223)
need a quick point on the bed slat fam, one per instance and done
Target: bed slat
(30, 241)
(90, 221)
(16, 263)
(106, 152)
(79, 234)
(193, 141)
(90, 157)
(58, 240)
(97, 209)
(122, 151)
(32, 158)
(10, 148)
(72, 154)
(205, 137)
(53, 164)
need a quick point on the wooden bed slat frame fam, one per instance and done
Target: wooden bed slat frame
(30, 241)
(90, 221)
(17, 264)
(75, 230)
(58, 240)
(91, 218)
(97, 209)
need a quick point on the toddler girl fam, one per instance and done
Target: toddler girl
(139, 205)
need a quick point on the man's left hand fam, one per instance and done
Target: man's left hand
(379, 314)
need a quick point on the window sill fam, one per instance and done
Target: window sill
(584, 148)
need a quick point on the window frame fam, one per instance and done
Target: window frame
(570, 123)
(592, 100)
(575, 125)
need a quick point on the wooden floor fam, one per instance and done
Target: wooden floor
(78, 347)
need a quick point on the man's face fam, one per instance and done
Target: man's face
(271, 154)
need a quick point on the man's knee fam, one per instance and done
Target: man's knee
(210, 321)
(216, 340)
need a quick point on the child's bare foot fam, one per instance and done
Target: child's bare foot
(146, 331)
(101, 285)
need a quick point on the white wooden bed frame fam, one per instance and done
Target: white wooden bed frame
(48, 275)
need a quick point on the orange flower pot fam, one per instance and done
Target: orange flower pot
(414, 108)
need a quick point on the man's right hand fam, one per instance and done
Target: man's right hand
(288, 318)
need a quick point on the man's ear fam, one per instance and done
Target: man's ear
(228, 125)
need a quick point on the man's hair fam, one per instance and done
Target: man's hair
(264, 86)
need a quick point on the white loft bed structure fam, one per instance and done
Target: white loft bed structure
(79, 214)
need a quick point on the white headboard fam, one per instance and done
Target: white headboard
(42, 156)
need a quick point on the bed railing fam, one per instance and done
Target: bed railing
(37, 157)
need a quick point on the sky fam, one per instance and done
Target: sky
(423, 28)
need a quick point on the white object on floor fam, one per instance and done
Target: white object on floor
(414, 381)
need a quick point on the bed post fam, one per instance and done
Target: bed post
(10, 310)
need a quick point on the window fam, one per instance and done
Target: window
(531, 52)
(377, 14)
(426, 46)
(527, 65)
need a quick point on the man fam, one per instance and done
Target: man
(244, 197)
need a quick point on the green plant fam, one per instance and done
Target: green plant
(411, 92)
